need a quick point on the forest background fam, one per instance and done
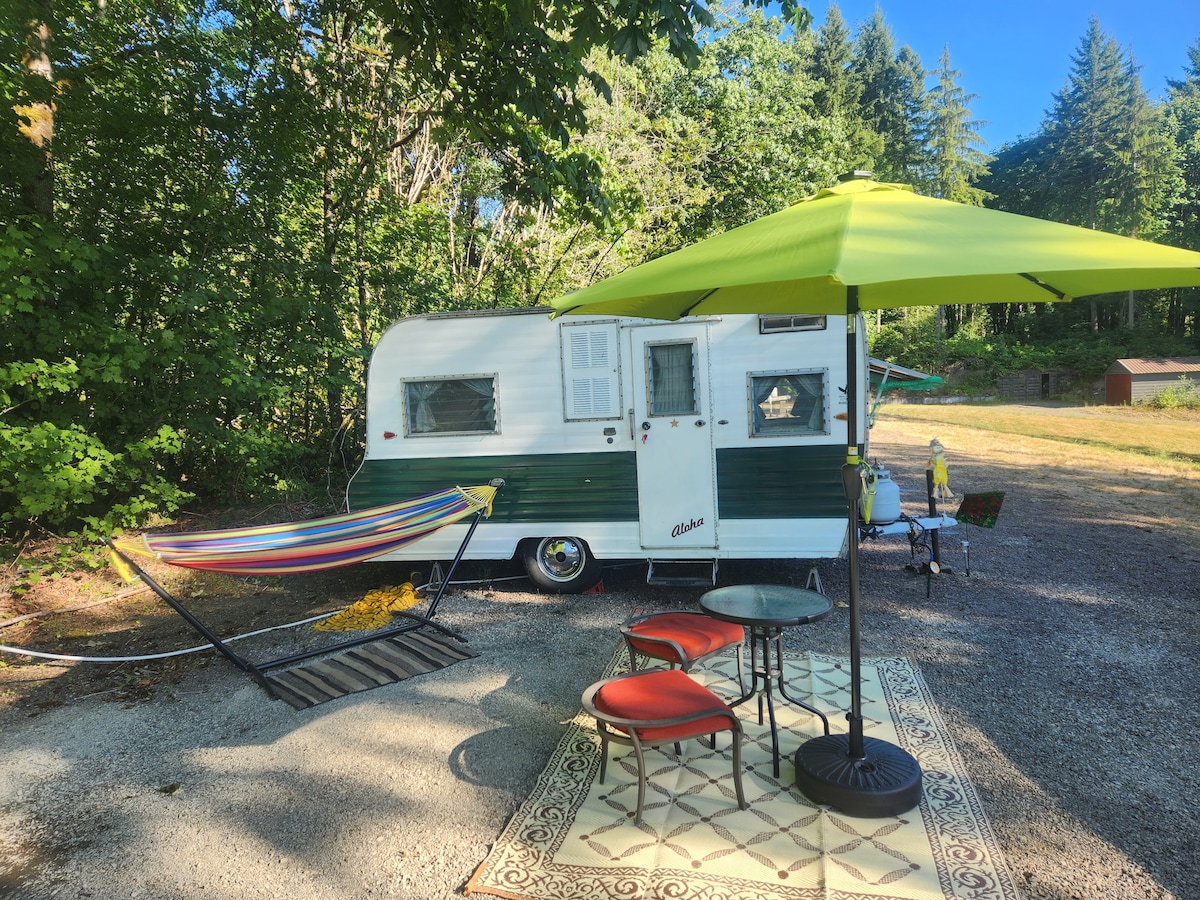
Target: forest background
(211, 211)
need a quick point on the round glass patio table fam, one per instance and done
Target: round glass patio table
(766, 610)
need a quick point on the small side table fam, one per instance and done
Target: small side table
(767, 609)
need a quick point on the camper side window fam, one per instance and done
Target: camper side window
(788, 403)
(450, 405)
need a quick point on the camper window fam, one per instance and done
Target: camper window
(672, 378)
(591, 373)
(774, 324)
(788, 403)
(450, 405)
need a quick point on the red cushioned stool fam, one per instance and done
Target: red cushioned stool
(682, 639)
(656, 707)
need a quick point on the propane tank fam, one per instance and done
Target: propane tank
(881, 506)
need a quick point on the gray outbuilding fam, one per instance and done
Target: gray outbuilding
(1129, 381)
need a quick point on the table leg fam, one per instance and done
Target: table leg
(764, 675)
(783, 689)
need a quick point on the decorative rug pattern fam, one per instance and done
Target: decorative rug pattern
(367, 666)
(574, 839)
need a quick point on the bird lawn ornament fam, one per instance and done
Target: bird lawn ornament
(941, 477)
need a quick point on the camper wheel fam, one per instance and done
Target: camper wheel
(563, 565)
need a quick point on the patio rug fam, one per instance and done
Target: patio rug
(367, 666)
(573, 839)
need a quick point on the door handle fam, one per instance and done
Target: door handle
(700, 423)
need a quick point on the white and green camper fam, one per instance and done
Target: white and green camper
(677, 443)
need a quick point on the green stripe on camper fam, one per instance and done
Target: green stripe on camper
(780, 482)
(544, 487)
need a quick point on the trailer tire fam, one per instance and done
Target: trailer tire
(561, 565)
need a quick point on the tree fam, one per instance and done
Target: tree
(1099, 143)
(891, 92)
(244, 194)
(705, 149)
(907, 126)
(1182, 212)
(954, 160)
(499, 68)
(32, 102)
(1098, 161)
(836, 93)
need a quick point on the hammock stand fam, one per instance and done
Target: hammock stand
(289, 548)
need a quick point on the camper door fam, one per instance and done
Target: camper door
(673, 434)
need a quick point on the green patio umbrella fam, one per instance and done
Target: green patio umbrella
(865, 245)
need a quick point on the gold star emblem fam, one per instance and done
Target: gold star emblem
(674, 423)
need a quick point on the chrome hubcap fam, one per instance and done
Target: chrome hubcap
(560, 558)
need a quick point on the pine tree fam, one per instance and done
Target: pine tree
(954, 158)
(956, 161)
(1182, 215)
(1101, 158)
(891, 87)
(1102, 140)
(836, 93)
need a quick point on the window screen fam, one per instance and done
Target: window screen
(450, 405)
(788, 403)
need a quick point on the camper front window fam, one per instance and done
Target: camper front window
(450, 405)
(787, 403)
(775, 324)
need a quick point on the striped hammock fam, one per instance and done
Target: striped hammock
(317, 544)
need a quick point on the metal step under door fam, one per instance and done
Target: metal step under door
(682, 572)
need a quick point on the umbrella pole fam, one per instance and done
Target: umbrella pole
(860, 776)
(852, 480)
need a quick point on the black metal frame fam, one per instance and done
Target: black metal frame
(763, 675)
(258, 670)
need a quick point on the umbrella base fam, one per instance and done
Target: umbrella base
(886, 781)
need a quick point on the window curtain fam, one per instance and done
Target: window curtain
(672, 387)
(808, 405)
(487, 410)
(419, 410)
(762, 390)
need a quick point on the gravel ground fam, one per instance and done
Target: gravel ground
(1064, 664)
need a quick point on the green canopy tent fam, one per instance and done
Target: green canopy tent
(865, 245)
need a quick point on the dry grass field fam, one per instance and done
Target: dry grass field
(1135, 462)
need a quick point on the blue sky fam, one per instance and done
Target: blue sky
(1016, 55)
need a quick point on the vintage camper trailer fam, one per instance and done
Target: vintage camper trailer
(678, 443)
